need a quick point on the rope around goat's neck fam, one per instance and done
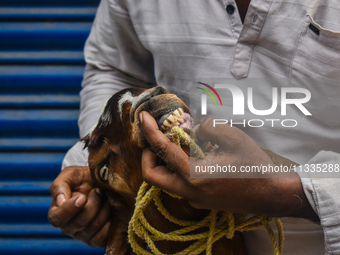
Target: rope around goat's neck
(219, 223)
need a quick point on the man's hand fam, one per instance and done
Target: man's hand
(79, 210)
(235, 192)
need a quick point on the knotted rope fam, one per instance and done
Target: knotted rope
(218, 223)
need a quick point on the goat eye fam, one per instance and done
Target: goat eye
(104, 173)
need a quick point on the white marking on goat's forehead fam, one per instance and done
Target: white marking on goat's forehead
(127, 97)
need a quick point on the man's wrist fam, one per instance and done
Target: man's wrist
(293, 201)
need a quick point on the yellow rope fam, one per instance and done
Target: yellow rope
(218, 223)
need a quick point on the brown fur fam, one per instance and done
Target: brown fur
(118, 144)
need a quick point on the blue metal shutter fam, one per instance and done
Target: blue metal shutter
(41, 67)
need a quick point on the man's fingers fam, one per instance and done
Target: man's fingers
(58, 216)
(61, 199)
(100, 238)
(60, 191)
(96, 225)
(85, 216)
(161, 176)
(174, 157)
(74, 178)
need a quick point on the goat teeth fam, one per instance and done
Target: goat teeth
(164, 128)
(177, 113)
(181, 112)
(166, 123)
(176, 118)
(172, 119)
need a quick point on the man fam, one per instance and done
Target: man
(176, 43)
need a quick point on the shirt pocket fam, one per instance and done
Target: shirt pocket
(316, 67)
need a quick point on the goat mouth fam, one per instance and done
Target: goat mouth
(167, 109)
(174, 118)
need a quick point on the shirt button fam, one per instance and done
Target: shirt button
(230, 9)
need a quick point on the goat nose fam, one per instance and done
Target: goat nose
(159, 90)
(154, 92)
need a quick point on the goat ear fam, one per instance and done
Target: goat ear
(86, 139)
(93, 139)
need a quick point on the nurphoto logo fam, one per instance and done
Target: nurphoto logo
(244, 102)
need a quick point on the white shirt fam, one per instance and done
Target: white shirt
(177, 43)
